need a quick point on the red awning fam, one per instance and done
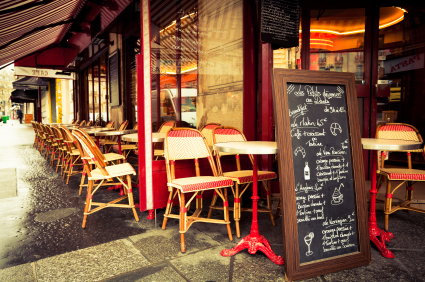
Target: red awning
(30, 25)
(38, 26)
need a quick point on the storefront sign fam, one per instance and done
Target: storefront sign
(280, 23)
(114, 84)
(404, 64)
(321, 173)
(26, 71)
(58, 101)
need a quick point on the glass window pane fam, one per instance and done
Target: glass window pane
(337, 41)
(196, 53)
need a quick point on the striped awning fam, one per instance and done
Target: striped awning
(30, 25)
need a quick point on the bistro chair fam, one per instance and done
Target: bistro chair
(207, 131)
(73, 156)
(240, 177)
(54, 149)
(112, 140)
(90, 123)
(61, 146)
(159, 146)
(104, 172)
(34, 127)
(190, 144)
(408, 176)
(109, 158)
(76, 122)
(46, 141)
(83, 123)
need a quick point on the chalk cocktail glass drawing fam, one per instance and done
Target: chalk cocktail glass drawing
(307, 239)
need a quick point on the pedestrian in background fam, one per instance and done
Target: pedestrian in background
(20, 115)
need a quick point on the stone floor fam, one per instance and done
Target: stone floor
(41, 238)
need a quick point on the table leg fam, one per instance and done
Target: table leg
(151, 214)
(377, 236)
(254, 241)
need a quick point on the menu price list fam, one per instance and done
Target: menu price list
(324, 187)
(280, 22)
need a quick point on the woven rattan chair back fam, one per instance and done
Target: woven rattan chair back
(90, 123)
(186, 144)
(207, 131)
(398, 131)
(90, 149)
(167, 126)
(83, 123)
(110, 124)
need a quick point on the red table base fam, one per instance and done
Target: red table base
(377, 236)
(254, 241)
(151, 214)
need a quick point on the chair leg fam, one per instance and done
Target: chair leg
(387, 208)
(226, 214)
(269, 200)
(59, 160)
(130, 197)
(183, 213)
(88, 200)
(214, 200)
(66, 166)
(409, 193)
(168, 208)
(83, 178)
(237, 210)
(71, 167)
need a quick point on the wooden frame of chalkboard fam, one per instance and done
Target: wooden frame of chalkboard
(114, 79)
(307, 84)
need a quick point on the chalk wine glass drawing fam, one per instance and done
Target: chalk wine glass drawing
(307, 239)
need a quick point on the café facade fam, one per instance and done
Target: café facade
(197, 62)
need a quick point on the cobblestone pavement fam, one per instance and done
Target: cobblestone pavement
(41, 238)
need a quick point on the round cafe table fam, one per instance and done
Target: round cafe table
(382, 145)
(254, 241)
(117, 133)
(156, 137)
(90, 131)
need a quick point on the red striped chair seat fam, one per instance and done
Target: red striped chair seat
(404, 174)
(246, 176)
(199, 183)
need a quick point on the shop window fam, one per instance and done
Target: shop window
(197, 63)
(337, 41)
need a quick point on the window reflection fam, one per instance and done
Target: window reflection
(337, 41)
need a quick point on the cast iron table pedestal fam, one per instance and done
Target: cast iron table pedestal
(254, 241)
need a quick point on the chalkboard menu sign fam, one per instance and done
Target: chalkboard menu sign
(114, 84)
(280, 23)
(318, 136)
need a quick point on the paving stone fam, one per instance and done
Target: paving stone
(20, 273)
(380, 269)
(53, 215)
(92, 264)
(161, 272)
(207, 265)
(256, 267)
(8, 183)
(159, 245)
